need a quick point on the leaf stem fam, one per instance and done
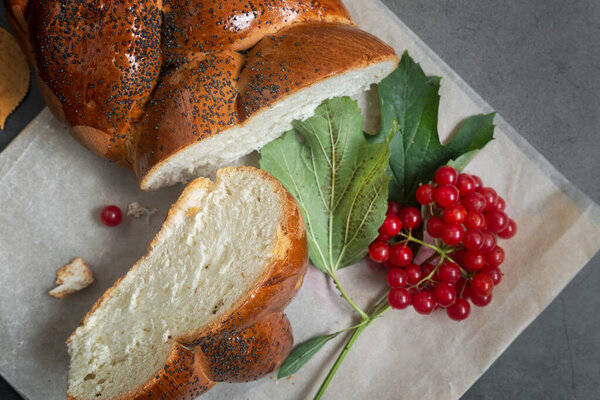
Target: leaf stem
(362, 314)
(339, 360)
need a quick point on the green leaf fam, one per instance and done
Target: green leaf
(338, 179)
(462, 161)
(301, 354)
(411, 98)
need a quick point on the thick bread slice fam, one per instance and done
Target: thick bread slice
(205, 303)
(285, 78)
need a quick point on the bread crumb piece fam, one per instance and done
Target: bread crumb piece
(72, 278)
(137, 210)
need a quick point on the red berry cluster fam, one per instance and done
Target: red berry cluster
(465, 219)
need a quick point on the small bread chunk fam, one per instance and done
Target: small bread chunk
(72, 278)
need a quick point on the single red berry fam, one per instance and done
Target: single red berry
(473, 239)
(449, 272)
(509, 231)
(455, 214)
(496, 221)
(435, 225)
(401, 255)
(459, 256)
(423, 302)
(383, 238)
(379, 251)
(394, 208)
(489, 241)
(425, 194)
(452, 234)
(111, 216)
(446, 195)
(388, 264)
(482, 285)
(494, 273)
(445, 176)
(391, 226)
(478, 181)
(474, 202)
(399, 298)
(474, 220)
(411, 218)
(491, 197)
(459, 310)
(495, 258)
(396, 278)
(444, 294)
(414, 274)
(474, 260)
(480, 301)
(427, 269)
(465, 184)
(500, 204)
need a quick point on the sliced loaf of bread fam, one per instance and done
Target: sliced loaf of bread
(205, 304)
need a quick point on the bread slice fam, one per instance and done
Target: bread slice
(205, 303)
(283, 78)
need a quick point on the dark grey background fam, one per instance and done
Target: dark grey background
(537, 63)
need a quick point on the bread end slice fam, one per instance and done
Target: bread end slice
(228, 259)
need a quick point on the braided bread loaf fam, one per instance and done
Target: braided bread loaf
(176, 88)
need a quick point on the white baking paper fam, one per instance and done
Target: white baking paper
(52, 189)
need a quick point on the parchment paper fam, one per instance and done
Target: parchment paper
(51, 191)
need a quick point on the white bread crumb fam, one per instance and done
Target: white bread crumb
(72, 278)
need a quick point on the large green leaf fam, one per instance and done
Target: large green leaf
(338, 179)
(411, 98)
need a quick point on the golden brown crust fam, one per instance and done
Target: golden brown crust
(301, 55)
(254, 337)
(205, 26)
(102, 73)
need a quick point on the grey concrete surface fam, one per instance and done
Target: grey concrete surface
(537, 63)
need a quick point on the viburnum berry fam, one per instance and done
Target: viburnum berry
(394, 208)
(391, 225)
(473, 239)
(495, 258)
(494, 273)
(495, 220)
(435, 225)
(480, 301)
(425, 194)
(509, 231)
(111, 216)
(474, 260)
(482, 285)
(477, 180)
(414, 274)
(491, 197)
(400, 255)
(455, 214)
(411, 218)
(444, 294)
(396, 278)
(465, 184)
(500, 204)
(489, 241)
(379, 251)
(449, 272)
(399, 298)
(452, 234)
(474, 202)
(459, 310)
(383, 238)
(445, 176)
(474, 220)
(446, 195)
(423, 302)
